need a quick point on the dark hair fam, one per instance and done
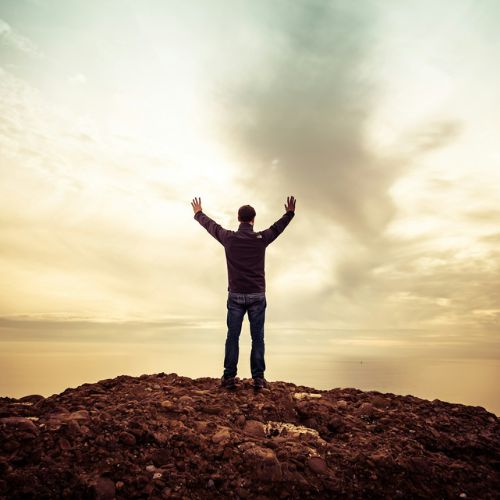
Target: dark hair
(246, 213)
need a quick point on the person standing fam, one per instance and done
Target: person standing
(245, 258)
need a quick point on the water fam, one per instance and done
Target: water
(446, 368)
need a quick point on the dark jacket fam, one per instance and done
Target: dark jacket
(245, 251)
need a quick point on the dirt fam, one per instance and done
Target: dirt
(169, 436)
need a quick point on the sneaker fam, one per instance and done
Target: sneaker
(259, 383)
(228, 383)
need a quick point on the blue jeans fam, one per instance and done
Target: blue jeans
(237, 305)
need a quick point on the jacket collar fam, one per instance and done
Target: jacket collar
(245, 226)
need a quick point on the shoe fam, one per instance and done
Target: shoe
(228, 383)
(259, 383)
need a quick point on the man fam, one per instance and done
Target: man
(245, 255)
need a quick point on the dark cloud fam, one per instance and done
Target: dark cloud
(306, 108)
(433, 135)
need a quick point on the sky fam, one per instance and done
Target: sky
(381, 118)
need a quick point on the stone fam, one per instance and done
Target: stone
(168, 405)
(127, 438)
(317, 465)
(105, 488)
(20, 423)
(64, 444)
(365, 409)
(222, 436)
(264, 462)
(254, 428)
(79, 415)
(379, 402)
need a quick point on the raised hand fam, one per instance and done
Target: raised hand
(290, 204)
(196, 204)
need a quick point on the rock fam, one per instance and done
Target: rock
(365, 409)
(105, 488)
(380, 402)
(242, 492)
(79, 415)
(254, 428)
(317, 465)
(64, 444)
(167, 405)
(381, 457)
(335, 424)
(162, 456)
(222, 436)
(127, 438)
(264, 462)
(19, 424)
(212, 409)
(306, 395)
(10, 445)
(32, 398)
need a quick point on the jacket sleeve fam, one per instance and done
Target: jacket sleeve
(269, 235)
(216, 230)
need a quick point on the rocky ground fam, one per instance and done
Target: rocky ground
(168, 436)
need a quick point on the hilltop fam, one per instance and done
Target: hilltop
(169, 436)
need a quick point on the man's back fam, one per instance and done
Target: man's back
(245, 250)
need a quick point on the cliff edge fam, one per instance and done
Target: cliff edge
(167, 436)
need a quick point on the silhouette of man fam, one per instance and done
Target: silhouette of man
(245, 257)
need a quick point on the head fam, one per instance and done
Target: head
(246, 213)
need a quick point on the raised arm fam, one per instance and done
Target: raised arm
(216, 230)
(269, 235)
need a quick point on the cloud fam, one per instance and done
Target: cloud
(77, 79)
(11, 38)
(306, 105)
(432, 135)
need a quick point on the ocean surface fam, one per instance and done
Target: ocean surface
(47, 361)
